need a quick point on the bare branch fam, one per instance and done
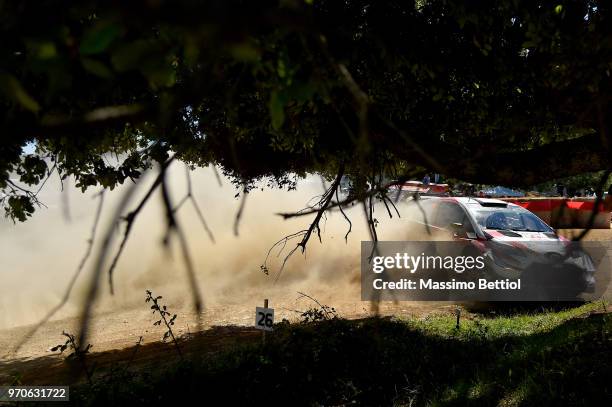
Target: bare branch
(427, 158)
(369, 215)
(214, 168)
(321, 306)
(49, 172)
(174, 227)
(595, 211)
(107, 241)
(76, 275)
(425, 222)
(240, 210)
(385, 197)
(384, 200)
(282, 267)
(382, 189)
(130, 218)
(197, 208)
(65, 200)
(189, 197)
(180, 204)
(282, 242)
(331, 205)
(346, 218)
(305, 234)
(323, 207)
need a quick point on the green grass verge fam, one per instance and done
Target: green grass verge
(551, 358)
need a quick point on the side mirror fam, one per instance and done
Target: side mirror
(457, 229)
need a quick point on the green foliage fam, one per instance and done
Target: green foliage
(19, 207)
(588, 180)
(71, 343)
(98, 38)
(165, 316)
(556, 358)
(505, 92)
(77, 353)
(12, 89)
(32, 169)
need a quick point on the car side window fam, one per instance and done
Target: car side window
(423, 211)
(448, 213)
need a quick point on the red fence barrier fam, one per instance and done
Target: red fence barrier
(565, 212)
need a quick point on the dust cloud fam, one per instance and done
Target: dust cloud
(40, 256)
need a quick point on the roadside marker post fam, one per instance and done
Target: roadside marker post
(264, 319)
(458, 314)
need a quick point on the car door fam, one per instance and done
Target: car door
(420, 217)
(450, 213)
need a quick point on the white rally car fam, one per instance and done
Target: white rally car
(511, 238)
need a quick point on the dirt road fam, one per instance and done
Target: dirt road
(114, 334)
(116, 329)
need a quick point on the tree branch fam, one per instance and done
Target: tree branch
(189, 197)
(240, 210)
(66, 296)
(345, 217)
(174, 227)
(130, 218)
(595, 211)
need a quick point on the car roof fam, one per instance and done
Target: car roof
(473, 202)
(487, 202)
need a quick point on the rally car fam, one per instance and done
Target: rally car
(510, 238)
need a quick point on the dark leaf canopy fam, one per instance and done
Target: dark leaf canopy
(511, 92)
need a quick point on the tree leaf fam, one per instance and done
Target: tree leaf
(10, 86)
(96, 67)
(277, 110)
(129, 56)
(98, 38)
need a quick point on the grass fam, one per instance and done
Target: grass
(497, 324)
(559, 357)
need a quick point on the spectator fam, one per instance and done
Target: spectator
(426, 179)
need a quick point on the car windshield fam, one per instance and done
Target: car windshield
(509, 218)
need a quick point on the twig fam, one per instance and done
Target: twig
(65, 200)
(417, 200)
(323, 207)
(217, 176)
(240, 210)
(92, 291)
(78, 271)
(595, 211)
(163, 312)
(323, 308)
(383, 189)
(174, 227)
(427, 158)
(281, 242)
(78, 352)
(305, 234)
(189, 197)
(369, 213)
(130, 218)
(346, 218)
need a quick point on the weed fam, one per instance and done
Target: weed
(558, 358)
(120, 372)
(78, 352)
(163, 312)
(319, 313)
(322, 313)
